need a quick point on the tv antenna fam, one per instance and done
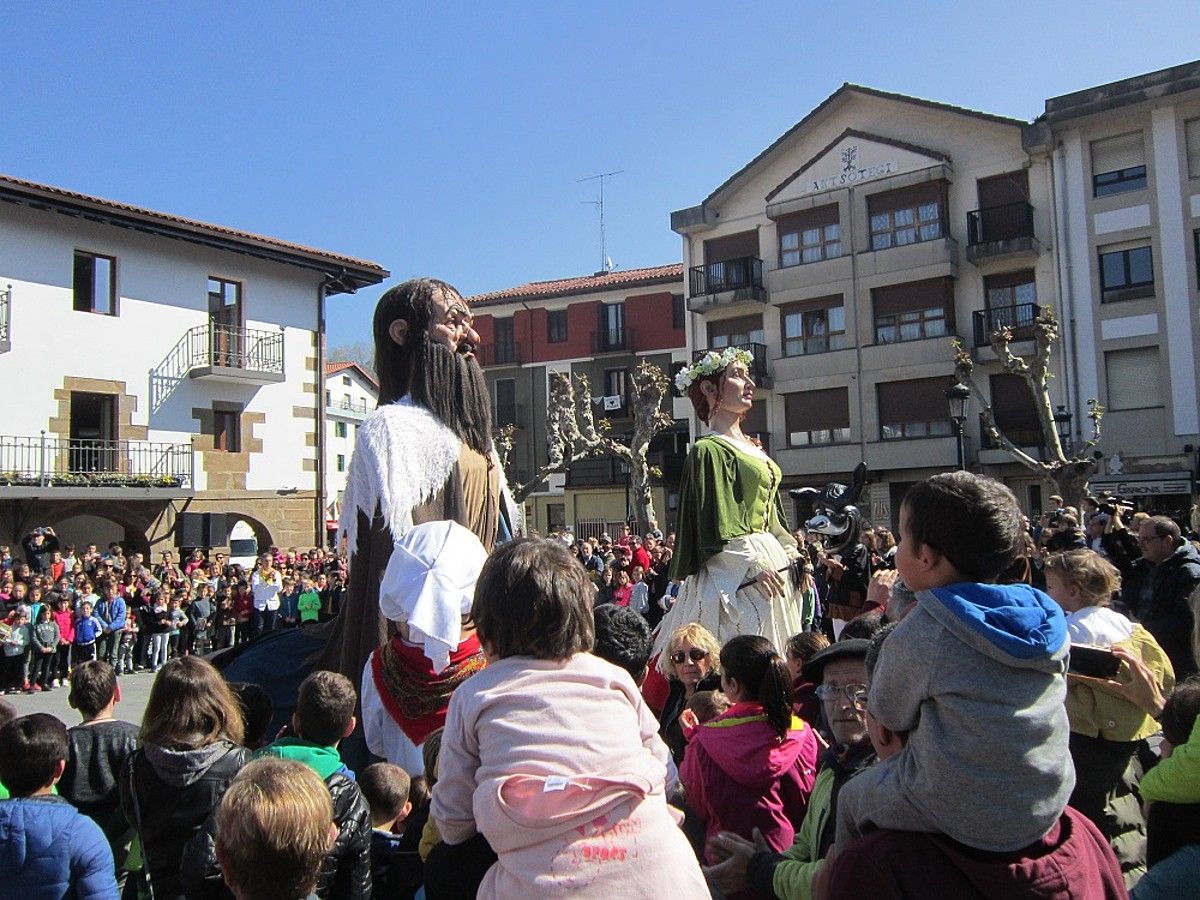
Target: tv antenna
(606, 264)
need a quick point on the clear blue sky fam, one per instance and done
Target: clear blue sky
(447, 138)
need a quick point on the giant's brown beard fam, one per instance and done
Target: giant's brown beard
(451, 386)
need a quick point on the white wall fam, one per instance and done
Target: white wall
(360, 391)
(162, 286)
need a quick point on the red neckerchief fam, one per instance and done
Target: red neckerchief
(414, 695)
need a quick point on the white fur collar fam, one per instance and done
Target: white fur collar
(402, 457)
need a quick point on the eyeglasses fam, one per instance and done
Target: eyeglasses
(695, 655)
(855, 693)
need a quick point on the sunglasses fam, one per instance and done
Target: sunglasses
(695, 655)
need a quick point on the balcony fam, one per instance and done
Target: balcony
(347, 407)
(509, 414)
(759, 369)
(612, 340)
(227, 353)
(48, 465)
(725, 283)
(1001, 232)
(508, 353)
(1019, 318)
(5, 304)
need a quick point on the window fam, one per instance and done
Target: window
(914, 409)
(95, 284)
(735, 332)
(339, 429)
(505, 343)
(1191, 132)
(611, 334)
(505, 393)
(556, 326)
(907, 216)
(678, 312)
(616, 385)
(1014, 411)
(809, 236)
(227, 435)
(346, 380)
(1009, 290)
(1133, 378)
(1118, 164)
(814, 326)
(1126, 274)
(913, 310)
(328, 398)
(818, 417)
(341, 462)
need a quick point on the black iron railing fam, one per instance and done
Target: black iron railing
(1018, 318)
(612, 340)
(507, 353)
(229, 347)
(1021, 426)
(759, 370)
(727, 275)
(508, 414)
(999, 223)
(50, 461)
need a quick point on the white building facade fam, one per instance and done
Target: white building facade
(849, 254)
(162, 374)
(350, 393)
(1126, 172)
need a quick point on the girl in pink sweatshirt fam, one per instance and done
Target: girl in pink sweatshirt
(550, 753)
(754, 765)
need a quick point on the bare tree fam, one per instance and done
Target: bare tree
(1069, 467)
(362, 352)
(573, 433)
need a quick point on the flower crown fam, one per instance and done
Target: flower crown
(711, 363)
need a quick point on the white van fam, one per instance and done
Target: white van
(243, 546)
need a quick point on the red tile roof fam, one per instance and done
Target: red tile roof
(584, 284)
(358, 272)
(334, 367)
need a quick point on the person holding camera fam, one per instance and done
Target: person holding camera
(40, 546)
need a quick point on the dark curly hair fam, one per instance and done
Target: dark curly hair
(623, 639)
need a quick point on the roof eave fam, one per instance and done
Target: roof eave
(343, 275)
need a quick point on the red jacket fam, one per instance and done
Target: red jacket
(1072, 862)
(739, 776)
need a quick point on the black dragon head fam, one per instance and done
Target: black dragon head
(835, 515)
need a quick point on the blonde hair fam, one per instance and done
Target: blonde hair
(273, 829)
(1096, 578)
(698, 636)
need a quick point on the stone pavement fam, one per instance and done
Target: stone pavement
(135, 691)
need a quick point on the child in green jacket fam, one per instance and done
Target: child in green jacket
(309, 603)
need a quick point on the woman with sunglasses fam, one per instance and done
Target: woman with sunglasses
(693, 656)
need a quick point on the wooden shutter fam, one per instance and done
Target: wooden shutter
(733, 246)
(906, 198)
(818, 217)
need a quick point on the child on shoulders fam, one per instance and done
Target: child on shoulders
(974, 676)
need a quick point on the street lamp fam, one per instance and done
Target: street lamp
(958, 395)
(1062, 424)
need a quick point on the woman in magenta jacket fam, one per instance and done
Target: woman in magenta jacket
(754, 765)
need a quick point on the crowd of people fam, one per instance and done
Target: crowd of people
(62, 606)
(1007, 708)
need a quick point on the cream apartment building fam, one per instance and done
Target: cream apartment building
(848, 255)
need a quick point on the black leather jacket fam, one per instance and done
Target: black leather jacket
(167, 796)
(345, 872)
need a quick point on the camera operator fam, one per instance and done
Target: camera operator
(39, 546)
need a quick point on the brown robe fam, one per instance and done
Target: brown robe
(470, 497)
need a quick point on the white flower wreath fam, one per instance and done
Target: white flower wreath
(711, 363)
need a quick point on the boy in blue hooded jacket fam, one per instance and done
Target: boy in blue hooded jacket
(974, 675)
